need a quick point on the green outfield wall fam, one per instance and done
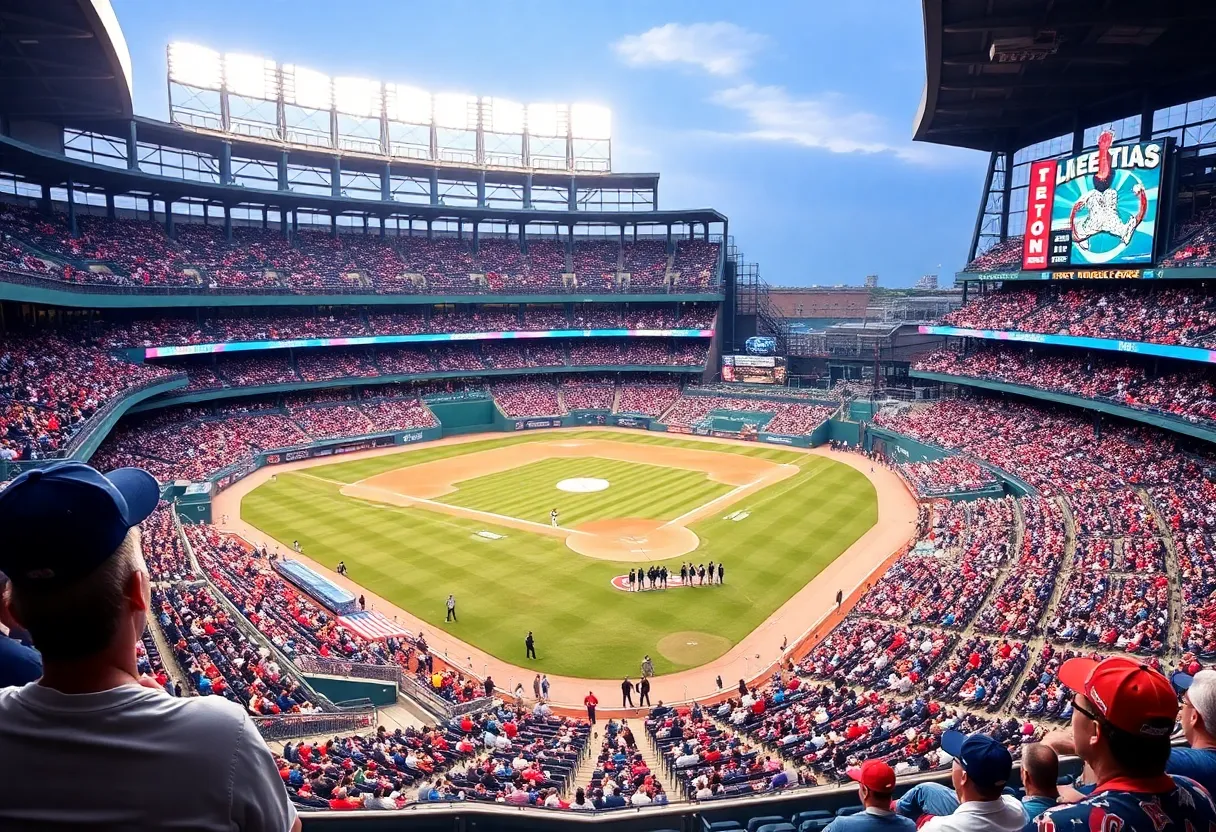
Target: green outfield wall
(473, 416)
(341, 689)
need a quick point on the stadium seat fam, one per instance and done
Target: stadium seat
(778, 827)
(814, 824)
(764, 820)
(813, 814)
(848, 810)
(722, 825)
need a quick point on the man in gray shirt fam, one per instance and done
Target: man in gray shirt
(81, 588)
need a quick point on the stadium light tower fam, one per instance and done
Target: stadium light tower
(590, 137)
(359, 104)
(410, 115)
(456, 127)
(251, 96)
(308, 101)
(195, 86)
(194, 65)
(254, 96)
(502, 125)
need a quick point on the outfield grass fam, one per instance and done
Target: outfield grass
(650, 492)
(414, 557)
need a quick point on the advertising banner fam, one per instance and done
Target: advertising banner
(535, 424)
(678, 429)
(633, 422)
(1104, 206)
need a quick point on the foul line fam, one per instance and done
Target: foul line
(461, 511)
(729, 495)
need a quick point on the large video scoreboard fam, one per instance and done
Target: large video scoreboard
(754, 369)
(1101, 208)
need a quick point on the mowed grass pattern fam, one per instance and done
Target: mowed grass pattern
(529, 492)
(415, 557)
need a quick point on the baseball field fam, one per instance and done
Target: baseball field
(474, 519)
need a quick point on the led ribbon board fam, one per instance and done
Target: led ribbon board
(1200, 354)
(426, 338)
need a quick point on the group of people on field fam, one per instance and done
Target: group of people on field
(657, 577)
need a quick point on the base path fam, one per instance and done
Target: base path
(620, 539)
(811, 609)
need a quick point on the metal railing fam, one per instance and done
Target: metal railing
(8, 275)
(285, 726)
(101, 415)
(354, 714)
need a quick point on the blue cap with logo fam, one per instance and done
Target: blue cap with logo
(63, 521)
(987, 762)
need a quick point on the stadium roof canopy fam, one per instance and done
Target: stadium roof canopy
(1004, 74)
(62, 59)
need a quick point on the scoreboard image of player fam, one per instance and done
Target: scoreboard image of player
(1096, 209)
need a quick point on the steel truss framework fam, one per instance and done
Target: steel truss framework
(165, 153)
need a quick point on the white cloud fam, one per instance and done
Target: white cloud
(718, 48)
(825, 121)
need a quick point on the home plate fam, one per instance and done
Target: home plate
(691, 643)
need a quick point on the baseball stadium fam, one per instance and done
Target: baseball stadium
(497, 496)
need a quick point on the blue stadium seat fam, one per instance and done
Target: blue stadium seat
(815, 824)
(722, 826)
(813, 814)
(848, 810)
(764, 820)
(778, 827)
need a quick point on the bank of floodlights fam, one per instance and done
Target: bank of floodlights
(255, 96)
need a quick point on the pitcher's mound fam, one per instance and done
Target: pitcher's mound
(692, 648)
(632, 540)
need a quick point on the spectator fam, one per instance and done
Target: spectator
(1199, 725)
(1040, 773)
(876, 782)
(981, 769)
(80, 586)
(1122, 719)
(19, 661)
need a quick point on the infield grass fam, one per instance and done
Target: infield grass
(650, 492)
(414, 557)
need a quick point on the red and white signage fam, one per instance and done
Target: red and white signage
(1037, 242)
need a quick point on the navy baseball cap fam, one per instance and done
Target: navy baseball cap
(63, 521)
(986, 761)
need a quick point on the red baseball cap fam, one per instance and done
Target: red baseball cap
(1129, 695)
(875, 775)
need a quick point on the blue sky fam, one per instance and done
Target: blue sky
(793, 119)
